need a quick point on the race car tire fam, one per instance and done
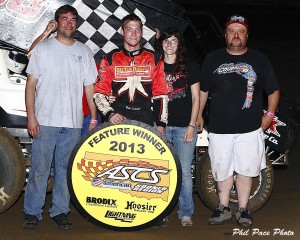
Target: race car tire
(293, 136)
(207, 188)
(12, 170)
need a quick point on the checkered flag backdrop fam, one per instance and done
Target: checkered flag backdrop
(99, 25)
(163, 13)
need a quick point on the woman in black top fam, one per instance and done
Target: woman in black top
(183, 107)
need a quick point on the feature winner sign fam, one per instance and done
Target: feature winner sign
(124, 177)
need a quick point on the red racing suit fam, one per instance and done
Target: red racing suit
(137, 80)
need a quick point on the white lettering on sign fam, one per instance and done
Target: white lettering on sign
(131, 173)
(3, 195)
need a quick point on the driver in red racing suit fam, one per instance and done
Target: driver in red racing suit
(135, 77)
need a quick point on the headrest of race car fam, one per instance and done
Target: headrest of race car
(15, 61)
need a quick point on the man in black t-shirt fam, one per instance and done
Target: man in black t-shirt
(236, 78)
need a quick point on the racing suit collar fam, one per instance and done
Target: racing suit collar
(133, 53)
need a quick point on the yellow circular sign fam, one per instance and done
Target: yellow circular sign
(124, 177)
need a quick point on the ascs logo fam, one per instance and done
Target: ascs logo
(131, 173)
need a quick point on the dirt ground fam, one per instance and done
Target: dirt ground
(281, 215)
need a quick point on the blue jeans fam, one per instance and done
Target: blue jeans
(57, 142)
(86, 123)
(185, 151)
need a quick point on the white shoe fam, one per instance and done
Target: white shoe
(186, 221)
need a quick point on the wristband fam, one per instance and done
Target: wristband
(191, 126)
(94, 121)
(270, 114)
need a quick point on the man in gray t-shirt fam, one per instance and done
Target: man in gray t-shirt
(57, 70)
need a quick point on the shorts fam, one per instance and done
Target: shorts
(243, 153)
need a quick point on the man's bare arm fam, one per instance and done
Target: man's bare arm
(203, 100)
(32, 123)
(51, 27)
(89, 92)
(273, 100)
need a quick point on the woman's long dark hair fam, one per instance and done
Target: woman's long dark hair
(181, 56)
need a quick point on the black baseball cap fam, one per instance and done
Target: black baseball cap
(237, 19)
